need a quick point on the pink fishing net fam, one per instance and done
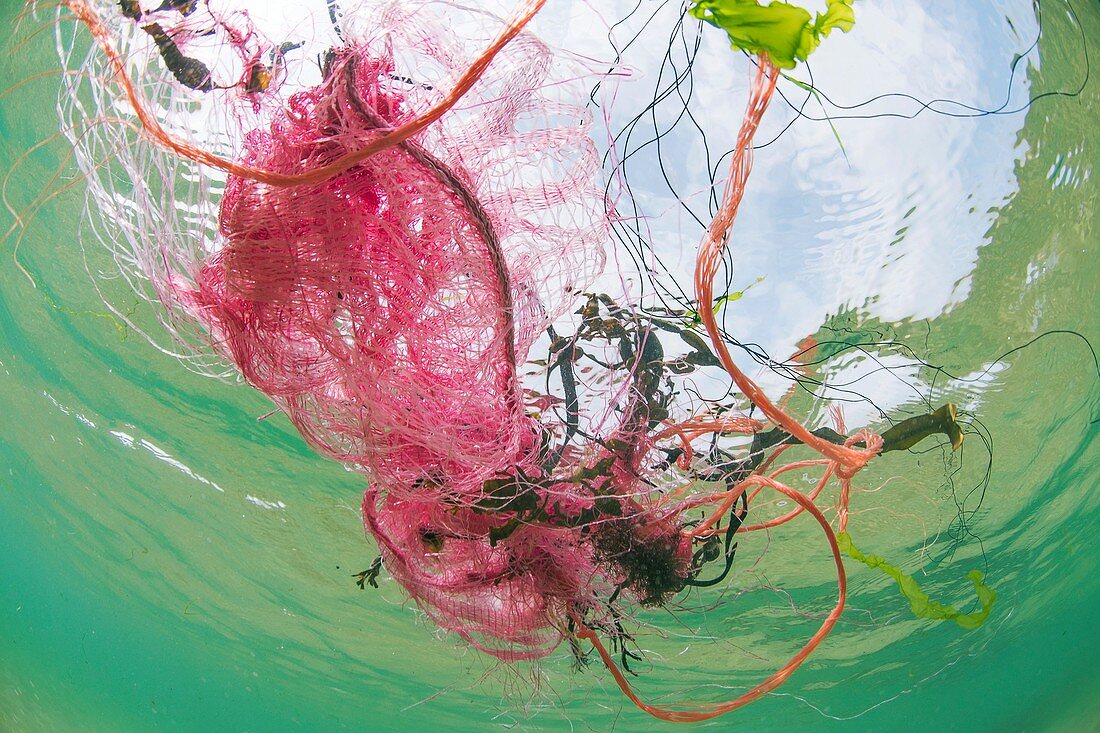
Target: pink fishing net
(378, 311)
(388, 304)
(385, 310)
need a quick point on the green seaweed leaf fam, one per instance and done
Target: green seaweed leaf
(787, 33)
(921, 605)
(736, 295)
(816, 95)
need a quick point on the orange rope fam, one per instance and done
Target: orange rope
(692, 428)
(843, 460)
(701, 712)
(710, 258)
(811, 496)
(87, 15)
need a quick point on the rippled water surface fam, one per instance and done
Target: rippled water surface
(167, 561)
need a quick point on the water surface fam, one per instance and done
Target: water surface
(169, 562)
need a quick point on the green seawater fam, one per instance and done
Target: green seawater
(169, 562)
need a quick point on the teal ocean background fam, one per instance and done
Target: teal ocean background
(169, 562)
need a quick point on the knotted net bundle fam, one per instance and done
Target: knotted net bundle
(374, 225)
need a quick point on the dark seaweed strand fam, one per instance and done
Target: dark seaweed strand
(334, 16)
(468, 200)
(729, 546)
(563, 362)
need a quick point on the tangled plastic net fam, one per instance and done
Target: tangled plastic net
(374, 227)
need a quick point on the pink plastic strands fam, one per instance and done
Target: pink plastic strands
(377, 309)
(383, 301)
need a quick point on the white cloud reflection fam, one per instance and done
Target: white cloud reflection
(895, 229)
